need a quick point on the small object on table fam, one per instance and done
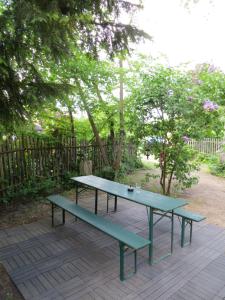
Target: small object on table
(130, 189)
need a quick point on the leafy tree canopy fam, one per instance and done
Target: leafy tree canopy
(170, 106)
(39, 30)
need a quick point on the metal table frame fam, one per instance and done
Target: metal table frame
(150, 213)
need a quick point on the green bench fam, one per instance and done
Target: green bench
(187, 219)
(125, 237)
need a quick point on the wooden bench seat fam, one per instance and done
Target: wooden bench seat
(125, 237)
(188, 217)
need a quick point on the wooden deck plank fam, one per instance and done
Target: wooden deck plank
(78, 262)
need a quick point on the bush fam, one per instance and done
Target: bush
(127, 166)
(36, 188)
(106, 172)
(216, 166)
(66, 182)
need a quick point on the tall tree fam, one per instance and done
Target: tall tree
(119, 147)
(36, 30)
(169, 107)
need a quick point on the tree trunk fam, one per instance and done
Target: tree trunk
(107, 112)
(72, 128)
(164, 177)
(93, 126)
(170, 181)
(163, 166)
(119, 152)
(112, 131)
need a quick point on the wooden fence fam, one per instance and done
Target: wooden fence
(28, 158)
(208, 145)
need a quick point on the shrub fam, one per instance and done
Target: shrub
(216, 166)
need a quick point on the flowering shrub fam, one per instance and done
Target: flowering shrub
(174, 106)
(186, 139)
(209, 105)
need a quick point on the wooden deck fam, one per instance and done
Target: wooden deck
(76, 261)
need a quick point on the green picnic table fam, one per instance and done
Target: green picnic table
(152, 201)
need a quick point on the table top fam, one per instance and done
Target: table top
(154, 200)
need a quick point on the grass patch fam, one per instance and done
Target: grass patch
(149, 165)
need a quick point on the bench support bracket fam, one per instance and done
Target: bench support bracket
(150, 213)
(53, 215)
(122, 258)
(184, 223)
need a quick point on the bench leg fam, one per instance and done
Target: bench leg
(191, 232)
(107, 202)
(53, 214)
(184, 223)
(122, 258)
(135, 261)
(63, 216)
(121, 261)
(76, 198)
(96, 201)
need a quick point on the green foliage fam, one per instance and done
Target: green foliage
(38, 35)
(106, 172)
(66, 183)
(168, 107)
(128, 165)
(36, 188)
(148, 165)
(32, 188)
(216, 165)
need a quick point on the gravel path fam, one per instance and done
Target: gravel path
(207, 197)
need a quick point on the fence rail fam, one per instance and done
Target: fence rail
(207, 145)
(32, 158)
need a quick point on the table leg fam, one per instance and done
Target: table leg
(183, 224)
(76, 189)
(107, 202)
(96, 201)
(76, 196)
(172, 229)
(115, 204)
(150, 224)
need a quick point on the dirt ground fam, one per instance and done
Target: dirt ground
(23, 213)
(206, 198)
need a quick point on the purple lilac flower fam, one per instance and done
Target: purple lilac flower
(211, 69)
(208, 105)
(186, 139)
